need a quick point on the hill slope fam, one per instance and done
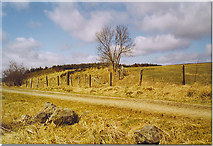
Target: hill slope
(159, 82)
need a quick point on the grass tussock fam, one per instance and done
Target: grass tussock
(98, 124)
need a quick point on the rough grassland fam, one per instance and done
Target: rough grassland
(110, 125)
(159, 83)
(98, 124)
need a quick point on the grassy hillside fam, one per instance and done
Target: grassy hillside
(110, 125)
(172, 74)
(159, 82)
(195, 73)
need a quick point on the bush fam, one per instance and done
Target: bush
(14, 75)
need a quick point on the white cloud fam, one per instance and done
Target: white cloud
(21, 5)
(21, 50)
(159, 43)
(208, 50)
(25, 50)
(176, 24)
(46, 58)
(21, 44)
(80, 57)
(138, 9)
(207, 55)
(181, 57)
(185, 20)
(70, 19)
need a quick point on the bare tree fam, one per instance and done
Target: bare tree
(14, 74)
(113, 43)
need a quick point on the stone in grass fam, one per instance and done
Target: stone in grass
(45, 113)
(64, 116)
(26, 119)
(59, 116)
(148, 135)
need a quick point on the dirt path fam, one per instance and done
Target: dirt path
(152, 106)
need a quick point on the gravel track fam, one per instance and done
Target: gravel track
(194, 111)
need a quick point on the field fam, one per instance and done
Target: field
(102, 124)
(159, 83)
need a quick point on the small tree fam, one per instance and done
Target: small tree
(113, 43)
(14, 75)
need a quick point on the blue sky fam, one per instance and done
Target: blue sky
(46, 34)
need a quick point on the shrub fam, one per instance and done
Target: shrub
(14, 75)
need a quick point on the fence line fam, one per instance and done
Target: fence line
(87, 79)
(90, 82)
(68, 79)
(31, 83)
(47, 81)
(141, 76)
(184, 75)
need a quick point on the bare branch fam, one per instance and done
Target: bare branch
(113, 43)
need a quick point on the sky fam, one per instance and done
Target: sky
(39, 34)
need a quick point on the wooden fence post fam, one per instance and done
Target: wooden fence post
(141, 77)
(90, 83)
(183, 75)
(31, 83)
(37, 82)
(47, 81)
(58, 80)
(71, 81)
(68, 78)
(110, 79)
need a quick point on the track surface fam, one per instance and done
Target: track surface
(194, 111)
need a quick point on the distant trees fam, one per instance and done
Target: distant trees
(14, 74)
(113, 43)
(58, 68)
(141, 65)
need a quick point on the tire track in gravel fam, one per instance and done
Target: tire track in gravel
(194, 111)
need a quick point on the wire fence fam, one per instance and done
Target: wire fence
(178, 74)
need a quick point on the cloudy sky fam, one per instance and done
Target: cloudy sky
(46, 34)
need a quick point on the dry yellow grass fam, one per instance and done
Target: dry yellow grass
(110, 125)
(161, 82)
(98, 124)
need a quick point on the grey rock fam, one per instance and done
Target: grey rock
(148, 135)
(64, 116)
(45, 113)
(50, 113)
